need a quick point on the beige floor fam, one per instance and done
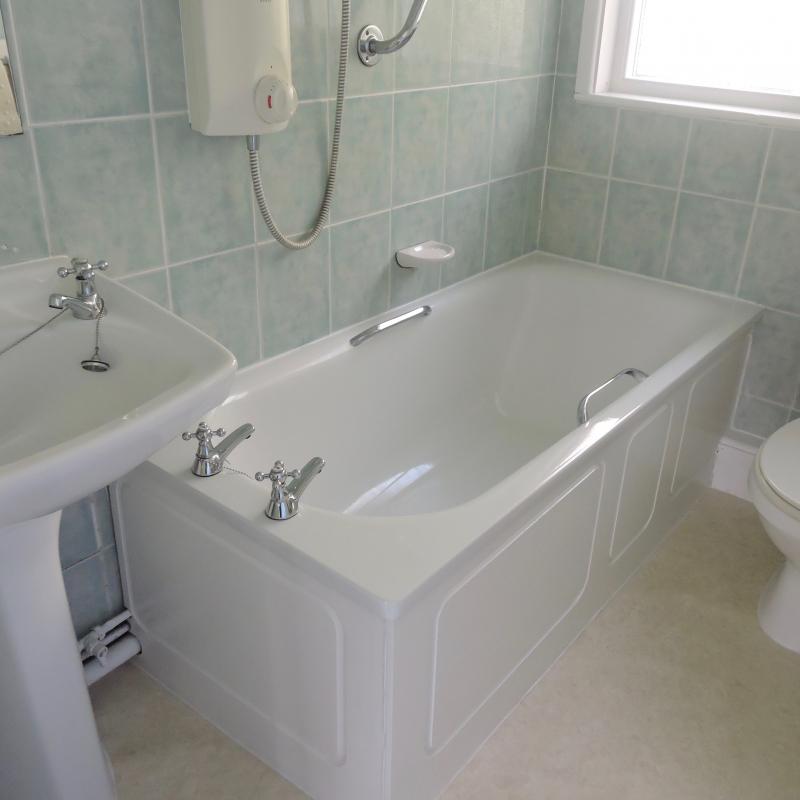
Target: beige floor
(672, 693)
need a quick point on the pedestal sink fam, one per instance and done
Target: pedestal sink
(66, 433)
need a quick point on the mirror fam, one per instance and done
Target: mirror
(10, 122)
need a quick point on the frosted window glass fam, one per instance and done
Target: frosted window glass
(749, 45)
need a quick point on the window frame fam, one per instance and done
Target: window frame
(606, 39)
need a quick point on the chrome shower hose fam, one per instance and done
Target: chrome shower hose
(327, 199)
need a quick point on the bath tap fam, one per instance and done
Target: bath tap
(284, 501)
(209, 460)
(87, 305)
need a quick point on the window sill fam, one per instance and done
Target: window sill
(756, 116)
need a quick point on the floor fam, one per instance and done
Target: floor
(672, 693)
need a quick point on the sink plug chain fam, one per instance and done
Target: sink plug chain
(30, 333)
(95, 363)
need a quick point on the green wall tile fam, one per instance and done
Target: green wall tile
(581, 135)
(650, 147)
(476, 28)
(165, 54)
(782, 177)
(82, 58)
(465, 229)
(759, 417)
(773, 369)
(509, 207)
(301, 149)
(218, 295)
(153, 286)
(710, 237)
(515, 133)
(420, 120)
(425, 60)
(570, 38)
(206, 190)
(572, 215)
(725, 159)
(772, 272)
(363, 183)
(360, 269)
(469, 132)
(293, 295)
(100, 192)
(22, 236)
(638, 227)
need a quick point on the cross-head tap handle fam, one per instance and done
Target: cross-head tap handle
(278, 474)
(82, 269)
(203, 434)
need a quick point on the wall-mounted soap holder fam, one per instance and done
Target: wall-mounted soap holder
(426, 254)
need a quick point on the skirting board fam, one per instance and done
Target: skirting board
(732, 466)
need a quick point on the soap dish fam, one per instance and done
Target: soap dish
(426, 254)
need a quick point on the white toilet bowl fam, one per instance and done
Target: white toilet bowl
(775, 491)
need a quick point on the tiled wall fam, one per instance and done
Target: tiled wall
(707, 203)
(440, 140)
(89, 561)
(444, 140)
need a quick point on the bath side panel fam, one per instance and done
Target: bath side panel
(468, 652)
(286, 667)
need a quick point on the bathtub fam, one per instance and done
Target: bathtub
(463, 533)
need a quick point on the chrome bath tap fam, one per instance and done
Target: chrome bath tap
(209, 460)
(284, 501)
(87, 305)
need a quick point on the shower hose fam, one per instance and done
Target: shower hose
(325, 207)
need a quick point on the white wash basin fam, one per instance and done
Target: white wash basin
(69, 432)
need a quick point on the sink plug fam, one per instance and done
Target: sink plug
(95, 363)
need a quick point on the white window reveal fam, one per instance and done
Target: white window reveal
(736, 58)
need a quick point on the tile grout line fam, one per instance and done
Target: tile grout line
(604, 217)
(759, 190)
(491, 169)
(550, 122)
(11, 34)
(447, 132)
(327, 231)
(392, 156)
(65, 123)
(156, 161)
(179, 112)
(678, 191)
(390, 210)
(259, 320)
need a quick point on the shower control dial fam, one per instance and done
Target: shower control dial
(276, 100)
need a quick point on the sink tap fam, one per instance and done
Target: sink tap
(87, 305)
(284, 501)
(209, 460)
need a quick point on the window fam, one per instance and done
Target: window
(729, 57)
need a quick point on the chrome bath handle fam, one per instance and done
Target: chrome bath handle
(362, 337)
(583, 407)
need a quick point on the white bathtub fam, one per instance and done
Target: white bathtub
(463, 533)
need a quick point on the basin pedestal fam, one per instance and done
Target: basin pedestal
(49, 747)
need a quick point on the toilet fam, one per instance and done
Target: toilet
(774, 485)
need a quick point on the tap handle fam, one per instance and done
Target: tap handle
(278, 475)
(82, 268)
(203, 434)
